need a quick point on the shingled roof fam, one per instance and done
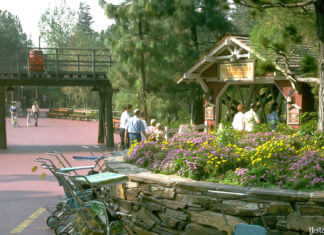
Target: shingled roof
(294, 57)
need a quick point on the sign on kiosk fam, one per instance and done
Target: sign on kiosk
(243, 71)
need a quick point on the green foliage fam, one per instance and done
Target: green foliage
(171, 37)
(263, 67)
(279, 30)
(309, 65)
(226, 135)
(309, 124)
(11, 34)
(56, 25)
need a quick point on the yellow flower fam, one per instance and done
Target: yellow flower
(218, 162)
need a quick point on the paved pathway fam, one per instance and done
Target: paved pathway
(23, 194)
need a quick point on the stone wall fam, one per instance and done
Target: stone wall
(164, 204)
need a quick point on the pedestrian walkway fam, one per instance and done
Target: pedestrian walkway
(23, 193)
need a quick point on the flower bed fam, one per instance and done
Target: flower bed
(253, 159)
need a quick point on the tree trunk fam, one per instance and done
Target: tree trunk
(143, 74)
(3, 135)
(101, 116)
(109, 118)
(319, 7)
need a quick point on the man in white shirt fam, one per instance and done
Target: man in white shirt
(251, 118)
(123, 122)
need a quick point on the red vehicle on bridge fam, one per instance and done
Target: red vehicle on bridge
(36, 60)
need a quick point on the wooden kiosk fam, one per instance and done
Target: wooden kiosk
(230, 62)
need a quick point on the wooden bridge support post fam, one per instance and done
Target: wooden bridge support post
(3, 134)
(101, 127)
(109, 117)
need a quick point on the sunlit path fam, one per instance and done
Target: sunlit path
(23, 192)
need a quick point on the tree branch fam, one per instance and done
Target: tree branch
(279, 4)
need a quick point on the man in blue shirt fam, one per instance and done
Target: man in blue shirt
(135, 127)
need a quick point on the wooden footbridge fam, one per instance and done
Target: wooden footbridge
(59, 67)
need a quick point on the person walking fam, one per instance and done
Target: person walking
(238, 121)
(14, 114)
(35, 112)
(134, 128)
(273, 117)
(123, 122)
(251, 118)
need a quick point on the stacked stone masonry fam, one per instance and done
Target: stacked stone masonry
(164, 204)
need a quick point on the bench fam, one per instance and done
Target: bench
(58, 113)
(81, 114)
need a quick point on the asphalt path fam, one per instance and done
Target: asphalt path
(25, 196)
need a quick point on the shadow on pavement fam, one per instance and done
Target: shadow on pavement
(14, 149)
(16, 178)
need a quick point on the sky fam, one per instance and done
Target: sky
(30, 11)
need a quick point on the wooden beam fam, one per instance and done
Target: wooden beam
(223, 57)
(3, 134)
(109, 118)
(101, 126)
(243, 56)
(203, 85)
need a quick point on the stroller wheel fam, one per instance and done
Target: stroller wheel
(59, 206)
(60, 229)
(52, 221)
(58, 214)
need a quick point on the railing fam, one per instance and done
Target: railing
(58, 60)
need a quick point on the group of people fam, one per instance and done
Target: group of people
(14, 112)
(135, 128)
(246, 121)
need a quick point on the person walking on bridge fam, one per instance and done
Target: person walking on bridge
(35, 112)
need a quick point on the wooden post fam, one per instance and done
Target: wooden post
(101, 127)
(166, 132)
(78, 58)
(109, 118)
(18, 62)
(56, 63)
(94, 64)
(3, 135)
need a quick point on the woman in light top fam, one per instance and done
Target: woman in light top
(35, 112)
(238, 121)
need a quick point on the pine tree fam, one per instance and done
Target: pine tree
(156, 41)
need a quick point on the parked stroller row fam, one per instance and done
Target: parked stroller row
(87, 206)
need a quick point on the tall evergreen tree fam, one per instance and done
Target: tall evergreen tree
(11, 34)
(56, 25)
(153, 41)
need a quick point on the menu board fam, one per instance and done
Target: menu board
(293, 115)
(243, 71)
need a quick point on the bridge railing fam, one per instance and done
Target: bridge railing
(59, 60)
